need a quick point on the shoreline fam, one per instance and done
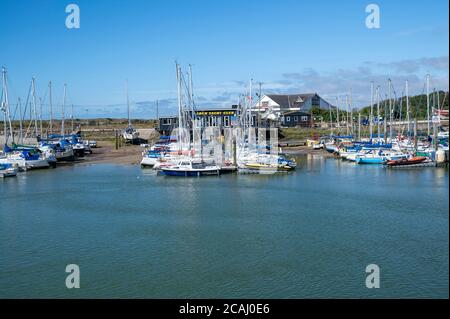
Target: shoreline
(106, 153)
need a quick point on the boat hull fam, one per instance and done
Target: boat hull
(406, 162)
(376, 160)
(189, 173)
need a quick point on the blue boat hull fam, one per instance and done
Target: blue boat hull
(370, 160)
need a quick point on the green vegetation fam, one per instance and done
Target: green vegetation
(417, 104)
(418, 108)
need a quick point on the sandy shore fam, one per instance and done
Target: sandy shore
(107, 153)
(132, 154)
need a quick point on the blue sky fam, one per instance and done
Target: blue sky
(291, 46)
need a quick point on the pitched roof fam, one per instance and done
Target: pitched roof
(291, 100)
(300, 113)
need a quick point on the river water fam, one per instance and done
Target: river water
(307, 234)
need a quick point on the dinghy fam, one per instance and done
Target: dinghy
(406, 161)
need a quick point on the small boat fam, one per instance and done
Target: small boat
(407, 161)
(150, 158)
(7, 170)
(371, 157)
(130, 134)
(188, 168)
(331, 148)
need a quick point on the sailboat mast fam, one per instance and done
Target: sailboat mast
(346, 107)
(250, 100)
(19, 103)
(351, 112)
(428, 104)
(40, 116)
(71, 117)
(359, 126)
(337, 114)
(390, 110)
(407, 108)
(62, 109)
(331, 120)
(378, 113)
(6, 104)
(3, 108)
(371, 111)
(51, 106)
(34, 107)
(128, 103)
(191, 86)
(180, 125)
(385, 118)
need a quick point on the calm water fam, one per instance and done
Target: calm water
(300, 235)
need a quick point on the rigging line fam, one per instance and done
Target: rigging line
(15, 111)
(26, 103)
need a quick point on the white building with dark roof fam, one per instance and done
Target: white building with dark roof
(290, 109)
(292, 102)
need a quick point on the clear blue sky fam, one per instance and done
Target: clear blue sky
(289, 45)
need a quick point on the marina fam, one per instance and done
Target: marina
(240, 151)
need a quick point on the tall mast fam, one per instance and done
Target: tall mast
(128, 103)
(390, 110)
(346, 107)
(407, 108)
(378, 113)
(19, 103)
(371, 111)
(6, 106)
(250, 100)
(71, 117)
(351, 111)
(385, 119)
(438, 102)
(191, 86)
(51, 106)
(62, 110)
(40, 116)
(337, 114)
(179, 106)
(3, 107)
(428, 104)
(359, 126)
(331, 120)
(34, 107)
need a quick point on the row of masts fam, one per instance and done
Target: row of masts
(35, 105)
(389, 106)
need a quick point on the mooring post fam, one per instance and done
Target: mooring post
(117, 139)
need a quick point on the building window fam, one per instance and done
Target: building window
(213, 121)
(295, 118)
(226, 121)
(304, 119)
(315, 101)
(265, 105)
(288, 118)
(167, 121)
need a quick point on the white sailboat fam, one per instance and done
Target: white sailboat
(129, 134)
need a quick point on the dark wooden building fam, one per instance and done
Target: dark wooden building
(296, 119)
